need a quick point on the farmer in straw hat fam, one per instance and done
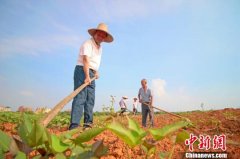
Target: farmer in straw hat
(145, 97)
(87, 67)
(123, 105)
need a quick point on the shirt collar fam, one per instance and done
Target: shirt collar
(95, 44)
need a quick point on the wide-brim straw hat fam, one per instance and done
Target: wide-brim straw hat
(125, 97)
(102, 27)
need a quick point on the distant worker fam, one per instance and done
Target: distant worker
(145, 97)
(135, 104)
(123, 105)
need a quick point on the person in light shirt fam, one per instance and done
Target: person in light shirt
(87, 67)
(145, 98)
(123, 105)
(135, 104)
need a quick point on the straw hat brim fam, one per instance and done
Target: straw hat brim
(109, 37)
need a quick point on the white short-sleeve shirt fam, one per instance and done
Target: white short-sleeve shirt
(90, 49)
(122, 103)
(135, 104)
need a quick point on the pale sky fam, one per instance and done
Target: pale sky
(187, 50)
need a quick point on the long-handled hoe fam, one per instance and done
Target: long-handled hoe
(166, 111)
(50, 115)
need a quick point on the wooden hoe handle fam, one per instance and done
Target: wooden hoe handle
(50, 115)
(164, 111)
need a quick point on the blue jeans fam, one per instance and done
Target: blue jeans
(84, 100)
(145, 111)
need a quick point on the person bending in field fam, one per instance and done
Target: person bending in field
(123, 105)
